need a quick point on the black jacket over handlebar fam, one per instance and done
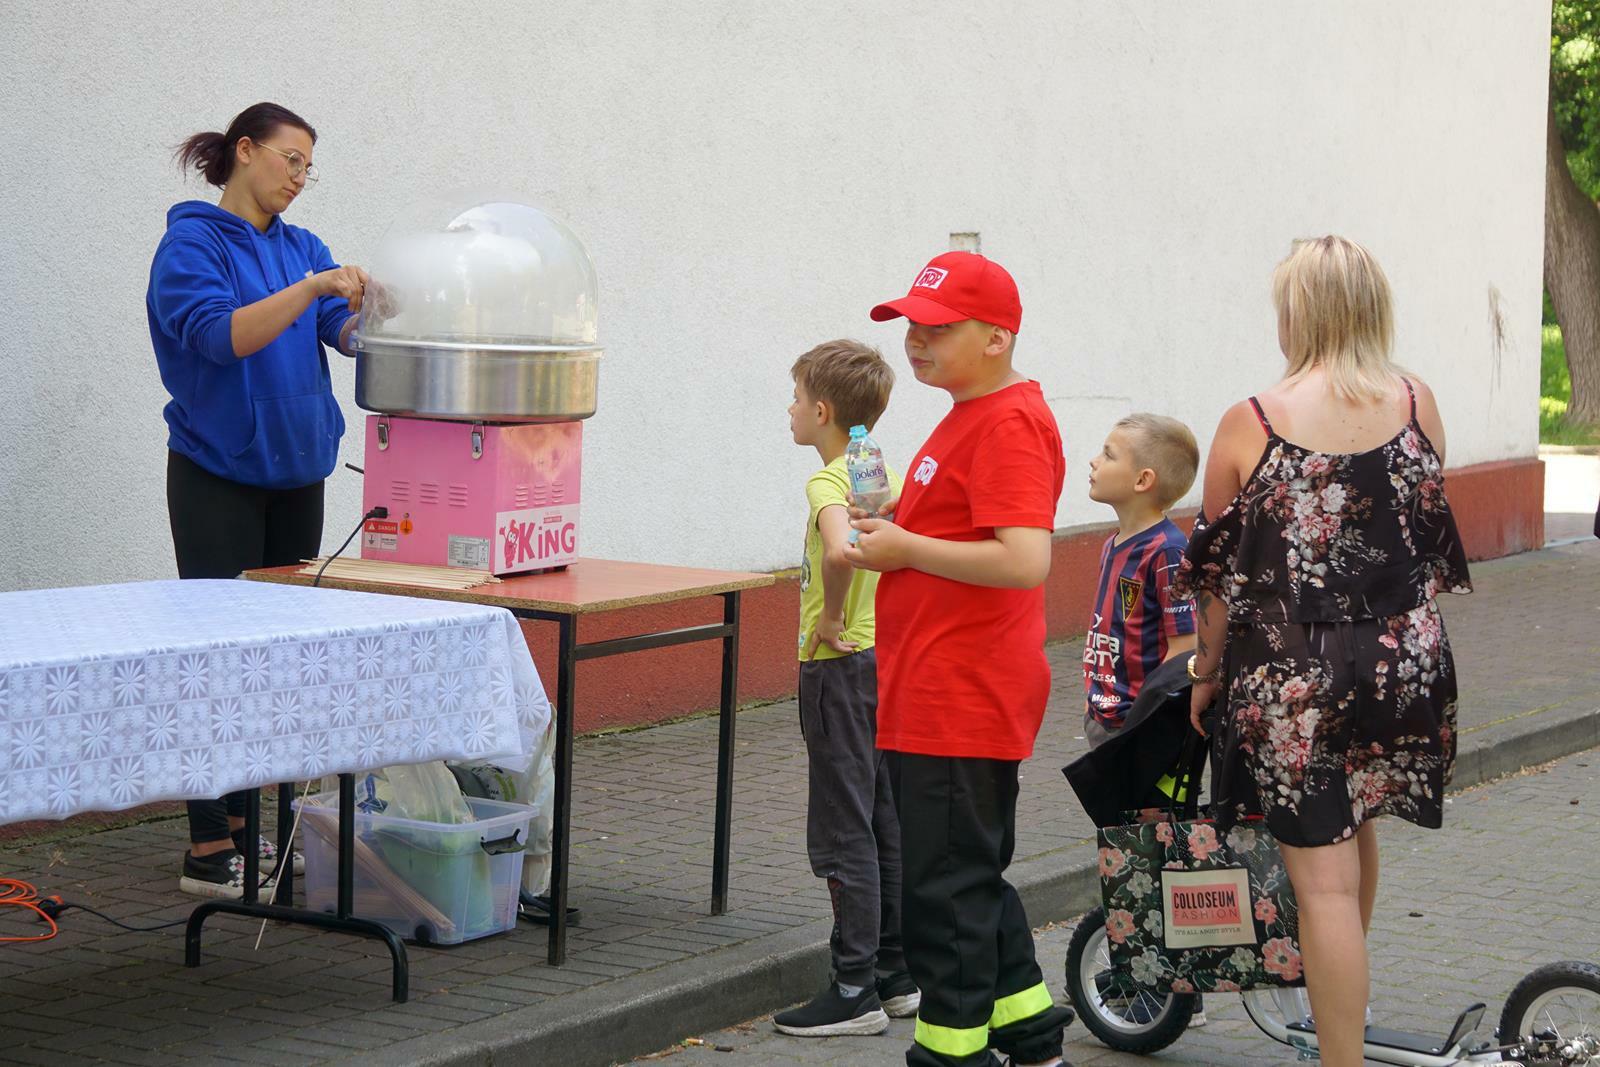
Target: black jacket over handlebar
(1121, 775)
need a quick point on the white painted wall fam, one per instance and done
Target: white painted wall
(750, 178)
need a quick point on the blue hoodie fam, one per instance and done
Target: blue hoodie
(269, 419)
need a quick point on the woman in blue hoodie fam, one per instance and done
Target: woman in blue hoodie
(242, 310)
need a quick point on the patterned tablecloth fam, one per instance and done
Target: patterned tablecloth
(119, 695)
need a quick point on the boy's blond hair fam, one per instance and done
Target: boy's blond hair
(1335, 310)
(850, 377)
(1167, 447)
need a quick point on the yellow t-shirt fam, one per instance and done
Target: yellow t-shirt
(828, 487)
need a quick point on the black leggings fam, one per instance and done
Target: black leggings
(220, 528)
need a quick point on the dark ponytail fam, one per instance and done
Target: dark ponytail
(211, 154)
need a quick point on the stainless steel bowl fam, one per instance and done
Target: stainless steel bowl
(482, 383)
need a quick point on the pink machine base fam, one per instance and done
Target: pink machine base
(496, 497)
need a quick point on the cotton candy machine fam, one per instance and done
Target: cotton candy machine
(476, 348)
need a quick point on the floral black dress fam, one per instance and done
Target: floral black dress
(1340, 690)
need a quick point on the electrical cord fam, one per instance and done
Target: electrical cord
(16, 893)
(54, 906)
(379, 512)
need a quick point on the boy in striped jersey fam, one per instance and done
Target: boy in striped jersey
(1147, 463)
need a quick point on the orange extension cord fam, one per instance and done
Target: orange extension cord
(15, 893)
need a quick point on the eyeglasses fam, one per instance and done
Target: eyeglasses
(297, 162)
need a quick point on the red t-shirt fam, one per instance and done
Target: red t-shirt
(961, 668)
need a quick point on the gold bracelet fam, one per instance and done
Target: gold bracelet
(1215, 674)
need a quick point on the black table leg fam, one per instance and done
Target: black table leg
(345, 884)
(569, 653)
(342, 921)
(284, 890)
(252, 850)
(561, 818)
(723, 832)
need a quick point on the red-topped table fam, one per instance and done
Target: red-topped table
(590, 587)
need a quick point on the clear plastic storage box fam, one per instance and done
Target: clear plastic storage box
(435, 883)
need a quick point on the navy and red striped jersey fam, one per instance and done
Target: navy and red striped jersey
(1135, 618)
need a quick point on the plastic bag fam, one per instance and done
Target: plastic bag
(424, 792)
(534, 785)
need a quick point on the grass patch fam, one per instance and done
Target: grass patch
(1555, 392)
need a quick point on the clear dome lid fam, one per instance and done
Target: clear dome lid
(478, 272)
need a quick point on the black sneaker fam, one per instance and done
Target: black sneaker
(831, 1015)
(220, 874)
(899, 995)
(267, 854)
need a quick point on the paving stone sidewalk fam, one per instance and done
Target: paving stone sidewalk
(1512, 882)
(649, 963)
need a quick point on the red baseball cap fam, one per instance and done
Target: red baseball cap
(957, 286)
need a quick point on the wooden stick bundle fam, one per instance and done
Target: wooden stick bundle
(383, 571)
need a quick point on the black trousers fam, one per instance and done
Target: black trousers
(220, 528)
(967, 940)
(852, 834)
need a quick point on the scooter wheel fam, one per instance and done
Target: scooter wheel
(1126, 1019)
(1562, 999)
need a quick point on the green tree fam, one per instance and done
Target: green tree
(1572, 185)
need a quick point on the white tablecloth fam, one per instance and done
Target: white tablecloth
(118, 695)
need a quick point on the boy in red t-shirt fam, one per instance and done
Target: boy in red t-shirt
(962, 675)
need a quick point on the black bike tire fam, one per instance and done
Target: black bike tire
(1574, 974)
(1174, 1018)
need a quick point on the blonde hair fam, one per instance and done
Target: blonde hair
(1167, 447)
(1335, 311)
(851, 377)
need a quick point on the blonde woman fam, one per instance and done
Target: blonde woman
(1314, 581)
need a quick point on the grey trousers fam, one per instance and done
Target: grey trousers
(852, 833)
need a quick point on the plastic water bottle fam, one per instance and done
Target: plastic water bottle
(869, 478)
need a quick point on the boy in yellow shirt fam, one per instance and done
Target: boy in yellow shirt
(852, 835)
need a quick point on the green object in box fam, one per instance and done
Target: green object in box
(440, 864)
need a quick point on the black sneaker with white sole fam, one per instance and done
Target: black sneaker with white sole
(220, 874)
(832, 1014)
(267, 854)
(899, 995)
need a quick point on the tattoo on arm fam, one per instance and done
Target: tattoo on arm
(1211, 634)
